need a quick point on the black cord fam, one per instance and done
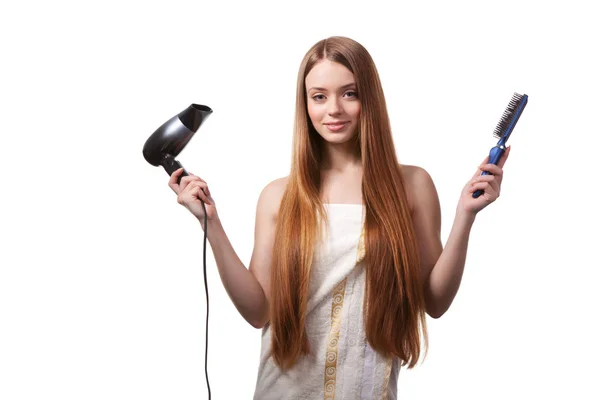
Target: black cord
(206, 287)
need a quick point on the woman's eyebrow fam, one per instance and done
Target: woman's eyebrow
(323, 89)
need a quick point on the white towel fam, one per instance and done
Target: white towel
(341, 365)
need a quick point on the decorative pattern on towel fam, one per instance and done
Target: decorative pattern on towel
(332, 344)
(360, 253)
(386, 381)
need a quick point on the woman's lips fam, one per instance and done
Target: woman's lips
(336, 127)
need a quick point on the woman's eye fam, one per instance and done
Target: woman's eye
(318, 97)
(352, 93)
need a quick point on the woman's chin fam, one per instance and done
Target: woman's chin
(337, 138)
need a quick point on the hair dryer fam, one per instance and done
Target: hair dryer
(166, 142)
(161, 148)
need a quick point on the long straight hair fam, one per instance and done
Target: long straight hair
(394, 307)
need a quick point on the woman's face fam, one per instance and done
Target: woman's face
(332, 101)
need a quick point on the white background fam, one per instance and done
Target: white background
(101, 282)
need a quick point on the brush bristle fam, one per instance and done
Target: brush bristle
(508, 115)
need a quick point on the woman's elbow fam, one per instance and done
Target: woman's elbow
(435, 312)
(258, 324)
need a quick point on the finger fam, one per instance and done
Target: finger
(492, 169)
(485, 186)
(177, 172)
(485, 161)
(206, 189)
(197, 192)
(504, 157)
(201, 180)
(483, 178)
(185, 181)
(173, 180)
(202, 185)
(493, 181)
(191, 192)
(477, 173)
(495, 185)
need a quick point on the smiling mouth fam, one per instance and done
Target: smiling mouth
(336, 123)
(336, 126)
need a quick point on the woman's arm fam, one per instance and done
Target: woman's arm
(249, 288)
(442, 267)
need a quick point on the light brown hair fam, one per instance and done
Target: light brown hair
(394, 302)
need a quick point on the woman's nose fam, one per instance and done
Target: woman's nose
(334, 107)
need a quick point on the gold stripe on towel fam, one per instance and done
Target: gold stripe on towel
(386, 379)
(360, 254)
(332, 343)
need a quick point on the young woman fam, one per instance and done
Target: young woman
(347, 257)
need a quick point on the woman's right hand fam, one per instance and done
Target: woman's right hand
(191, 191)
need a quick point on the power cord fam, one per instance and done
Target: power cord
(206, 287)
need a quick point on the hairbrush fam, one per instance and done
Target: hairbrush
(504, 129)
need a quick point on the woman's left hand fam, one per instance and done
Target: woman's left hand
(490, 184)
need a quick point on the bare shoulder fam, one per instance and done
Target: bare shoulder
(419, 184)
(264, 232)
(414, 173)
(271, 195)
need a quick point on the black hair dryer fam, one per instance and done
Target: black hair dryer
(162, 147)
(166, 142)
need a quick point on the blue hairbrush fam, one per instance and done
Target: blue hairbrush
(504, 129)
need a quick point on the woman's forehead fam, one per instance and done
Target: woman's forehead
(328, 75)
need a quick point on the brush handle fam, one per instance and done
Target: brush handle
(495, 154)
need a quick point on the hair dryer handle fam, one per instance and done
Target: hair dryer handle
(170, 164)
